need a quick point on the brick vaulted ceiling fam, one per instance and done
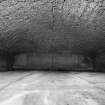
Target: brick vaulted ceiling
(76, 26)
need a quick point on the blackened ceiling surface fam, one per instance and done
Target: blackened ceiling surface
(77, 26)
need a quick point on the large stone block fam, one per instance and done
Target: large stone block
(63, 61)
(100, 63)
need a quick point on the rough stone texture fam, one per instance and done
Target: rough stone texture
(47, 26)
(51, 25)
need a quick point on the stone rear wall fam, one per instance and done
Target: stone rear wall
(52, 26)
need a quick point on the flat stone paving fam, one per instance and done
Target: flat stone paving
(52, 88)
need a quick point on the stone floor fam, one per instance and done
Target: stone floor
(52, 88)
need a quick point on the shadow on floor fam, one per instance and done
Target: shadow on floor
(57, 70)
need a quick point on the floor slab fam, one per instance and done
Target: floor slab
(52, 88)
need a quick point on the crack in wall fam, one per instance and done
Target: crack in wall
(54, 10)
(53, 14)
